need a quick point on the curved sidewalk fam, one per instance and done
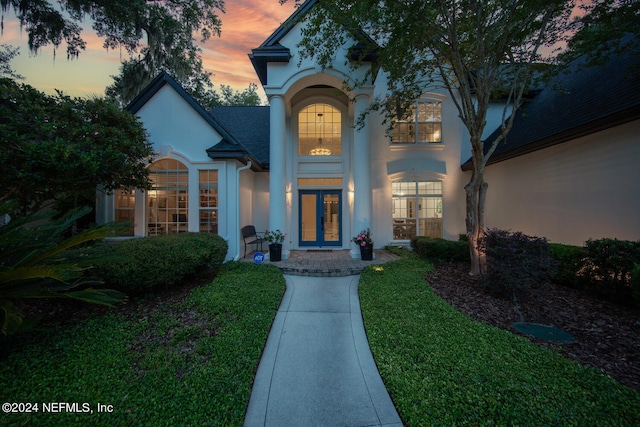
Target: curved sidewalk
(317, 368)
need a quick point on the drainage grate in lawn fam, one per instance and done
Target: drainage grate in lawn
(543, 332)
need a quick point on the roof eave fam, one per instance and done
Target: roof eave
(599, 125)
(260, 57)
(363, 53)
(148, 92)
(240, 155)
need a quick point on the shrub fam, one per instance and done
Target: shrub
(608, 263)
(159, 262)
(36, 261)
(635, 284)
(516, 262)
(396, 249)
(570, 261)
(440, 249)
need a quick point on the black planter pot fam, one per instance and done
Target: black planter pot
(275, 251)
(366, 252)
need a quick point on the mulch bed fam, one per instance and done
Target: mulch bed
(607, 334)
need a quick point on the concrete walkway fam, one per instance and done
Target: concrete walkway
(317, 369)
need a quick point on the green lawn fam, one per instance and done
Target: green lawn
(191, 364)
(444, 368)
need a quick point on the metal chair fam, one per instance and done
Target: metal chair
(250, 237)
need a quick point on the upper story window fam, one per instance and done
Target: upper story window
(422, 125)
(319, 131)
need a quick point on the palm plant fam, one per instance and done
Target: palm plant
(35, 262)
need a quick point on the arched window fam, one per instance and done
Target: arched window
(320, 131)
(167, 200)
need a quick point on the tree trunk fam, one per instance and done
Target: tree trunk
(476, 191)
(472, 225)
(482, 197)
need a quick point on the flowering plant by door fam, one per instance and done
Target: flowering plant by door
(364, 238)
(276, 236)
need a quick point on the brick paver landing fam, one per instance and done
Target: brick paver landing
(327, 263)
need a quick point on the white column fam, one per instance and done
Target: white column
(362, 204)
(277, 160)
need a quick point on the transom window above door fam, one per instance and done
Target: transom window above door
(319, 131)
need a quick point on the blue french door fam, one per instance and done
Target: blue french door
(320, 218)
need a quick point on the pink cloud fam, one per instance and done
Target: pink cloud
(245, 25)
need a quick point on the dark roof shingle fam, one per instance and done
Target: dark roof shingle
(578, 102)
(249, 126)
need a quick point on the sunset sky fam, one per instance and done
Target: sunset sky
(245, 25)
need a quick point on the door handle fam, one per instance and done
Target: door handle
(321, 223)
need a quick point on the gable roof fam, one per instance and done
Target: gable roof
(581, 101)
(249, 126)
(229, 148)
(272, 51)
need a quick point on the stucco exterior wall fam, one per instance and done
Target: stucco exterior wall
(424, 162)
(170, 120)
(260, 201)
(178, 132)
(298, 82)
(568, 193)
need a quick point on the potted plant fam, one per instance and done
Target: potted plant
(365, 243)
(275, 239)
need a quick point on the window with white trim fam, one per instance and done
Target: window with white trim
(422, 124)
(416, 209)
(320, 131)
(125, 209)
(208, 182)
(167, 201)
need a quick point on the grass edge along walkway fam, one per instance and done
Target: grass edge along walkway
(442, 367)
(191, 364)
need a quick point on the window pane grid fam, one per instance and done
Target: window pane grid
(320, 131)
(416, 209)
(424, 126)
(125, 209)
(168, 199)
(208, 192)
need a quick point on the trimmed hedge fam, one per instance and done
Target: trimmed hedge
(440, 249)
(143, 264)
(605, 267)
(610, 261)
(570, 261)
